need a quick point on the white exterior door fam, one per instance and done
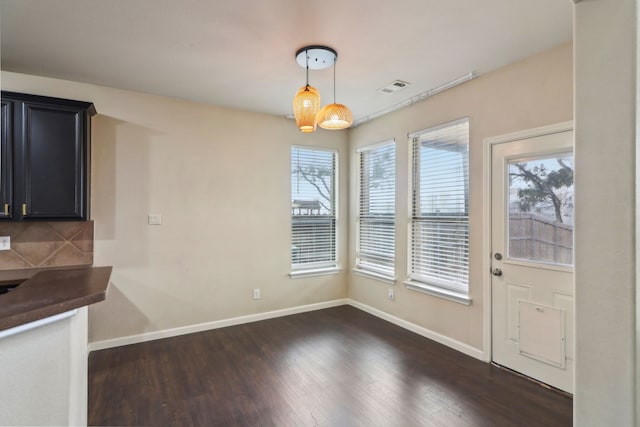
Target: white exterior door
(532, 256)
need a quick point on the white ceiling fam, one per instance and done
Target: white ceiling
(240, 54)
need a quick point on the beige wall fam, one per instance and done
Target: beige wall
(606, 120)
(534, 92)
(220, 178)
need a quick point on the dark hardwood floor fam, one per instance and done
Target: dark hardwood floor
(333, 367)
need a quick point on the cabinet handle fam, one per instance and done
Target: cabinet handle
(6, 209)
(24, 209)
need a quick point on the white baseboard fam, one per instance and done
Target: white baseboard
(167, 333)
(442, 339)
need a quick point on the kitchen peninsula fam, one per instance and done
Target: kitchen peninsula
(43, 343)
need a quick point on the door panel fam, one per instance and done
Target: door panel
(515, 293)
(52, 154)
(532, 256)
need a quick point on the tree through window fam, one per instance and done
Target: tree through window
(541, 209)
(313, 208)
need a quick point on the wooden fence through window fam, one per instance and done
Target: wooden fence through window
(535, 238)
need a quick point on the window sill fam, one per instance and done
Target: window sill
(314, 272)
(435, 291)
(373, 275)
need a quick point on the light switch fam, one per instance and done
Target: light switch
(155, 219)
(5, 243)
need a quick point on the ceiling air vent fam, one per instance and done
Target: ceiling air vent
(393, 87)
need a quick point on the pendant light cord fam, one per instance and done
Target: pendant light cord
(335, 62)
(306, 55)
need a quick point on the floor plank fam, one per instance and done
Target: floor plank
(334, 367)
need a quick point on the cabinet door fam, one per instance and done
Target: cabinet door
(52, 181)
(6, 161)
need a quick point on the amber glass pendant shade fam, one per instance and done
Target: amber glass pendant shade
(306, 105)
(335, 117)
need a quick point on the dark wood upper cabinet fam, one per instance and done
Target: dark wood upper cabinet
(45, 158)
(6, 158)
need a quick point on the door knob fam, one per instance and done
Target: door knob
(497, 272)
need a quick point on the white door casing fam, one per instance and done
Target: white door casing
(531, 280)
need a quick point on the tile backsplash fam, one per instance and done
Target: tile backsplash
(47, 244)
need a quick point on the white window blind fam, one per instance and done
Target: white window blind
(376, 215)
(440, 206)
(313, 208)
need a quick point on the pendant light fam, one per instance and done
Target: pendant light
(306, 103)
(335, 116)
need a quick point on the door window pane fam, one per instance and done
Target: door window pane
(541, 209)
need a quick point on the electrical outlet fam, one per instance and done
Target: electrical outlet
(391, 294)
(256, 293)
(5, 243)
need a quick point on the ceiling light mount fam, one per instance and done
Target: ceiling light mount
(319, 57)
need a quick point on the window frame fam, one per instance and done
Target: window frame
(307, 269)
(364, 267)
(456, 291)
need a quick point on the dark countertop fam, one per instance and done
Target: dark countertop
(44, 293)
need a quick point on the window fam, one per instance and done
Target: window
(376, 214)
(313, 208)
(439, 253)
(541, 209)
